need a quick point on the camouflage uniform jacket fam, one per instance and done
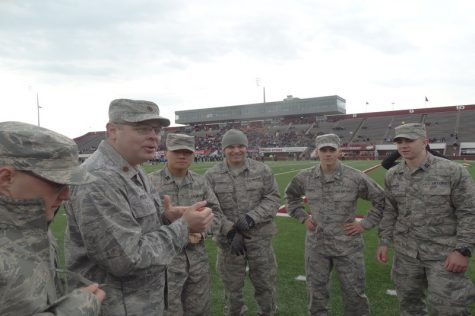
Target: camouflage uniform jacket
(332, 203)
(253, 192)
(429, 211)
(194, 188)
(116, 235)
(27, 284)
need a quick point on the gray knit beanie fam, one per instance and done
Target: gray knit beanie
(233, 137)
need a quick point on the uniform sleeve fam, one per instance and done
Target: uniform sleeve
(388, 221)
(294, 193)
(213, 203)
(463, 199)
(77, 303)
(269, 204)
(371, 191)
(226, 224)
(112, 235)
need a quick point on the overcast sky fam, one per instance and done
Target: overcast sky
(80, 55)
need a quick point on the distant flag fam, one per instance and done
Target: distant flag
(427, 100)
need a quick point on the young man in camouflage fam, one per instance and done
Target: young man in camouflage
(429, 218)
(188, 276)
(119, 233)
(36, 166)
(333, 236)
(249, 198)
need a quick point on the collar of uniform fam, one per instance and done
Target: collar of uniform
(166, 174)
(225, 167)
(424, 165)
(337, 174)
(22, 214)
(118, 161)
(170, 178)
(399, 168)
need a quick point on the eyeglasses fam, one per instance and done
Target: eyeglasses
(59, 188)
(144, 129)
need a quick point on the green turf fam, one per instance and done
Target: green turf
(289, 249)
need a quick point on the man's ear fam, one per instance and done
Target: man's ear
(111, 130)
(6, 179)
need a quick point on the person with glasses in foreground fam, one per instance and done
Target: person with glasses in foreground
(429, 219)
(36, 167)
(334, 238)
(119, 232)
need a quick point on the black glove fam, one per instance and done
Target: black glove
(236, 242)
(244, 223)
(230, 235)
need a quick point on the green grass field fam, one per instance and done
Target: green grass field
(289, 249)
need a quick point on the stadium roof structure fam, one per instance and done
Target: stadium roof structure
(290, 106)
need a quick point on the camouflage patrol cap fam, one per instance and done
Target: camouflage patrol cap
(47, 154)
(180, 141)
(410, 131)
(133, 111)
(327, 140)
(233, 137)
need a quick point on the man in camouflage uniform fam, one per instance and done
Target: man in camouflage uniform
(36, 166)
(249, 198)
(188, 274)
(118, 231)
(333, 236)
(429, 218)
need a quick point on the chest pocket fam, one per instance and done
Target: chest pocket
(224, 192)
(436, 198)
(167, 189)
(344, 194)
(195, 192)
(254, 187)
(313, 192)
(145, 212)
(399, 195)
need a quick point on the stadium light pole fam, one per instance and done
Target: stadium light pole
(258, 82)
(38, 107)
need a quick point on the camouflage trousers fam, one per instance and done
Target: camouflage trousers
(262, 265)
(350, 271)
(448, 293)
(188, 280)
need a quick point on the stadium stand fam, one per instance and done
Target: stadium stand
(364, 135)
(88, 143)
(465, 130)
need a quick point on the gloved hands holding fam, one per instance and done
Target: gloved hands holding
(244, 223)
(236, 242)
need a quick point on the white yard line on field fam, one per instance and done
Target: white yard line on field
(278, 174)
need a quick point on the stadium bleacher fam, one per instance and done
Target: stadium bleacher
(448, 125)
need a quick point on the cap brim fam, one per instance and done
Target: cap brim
(72, 176)
(407, 136)
(333, 145)
(164, 122)
(174, 148)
